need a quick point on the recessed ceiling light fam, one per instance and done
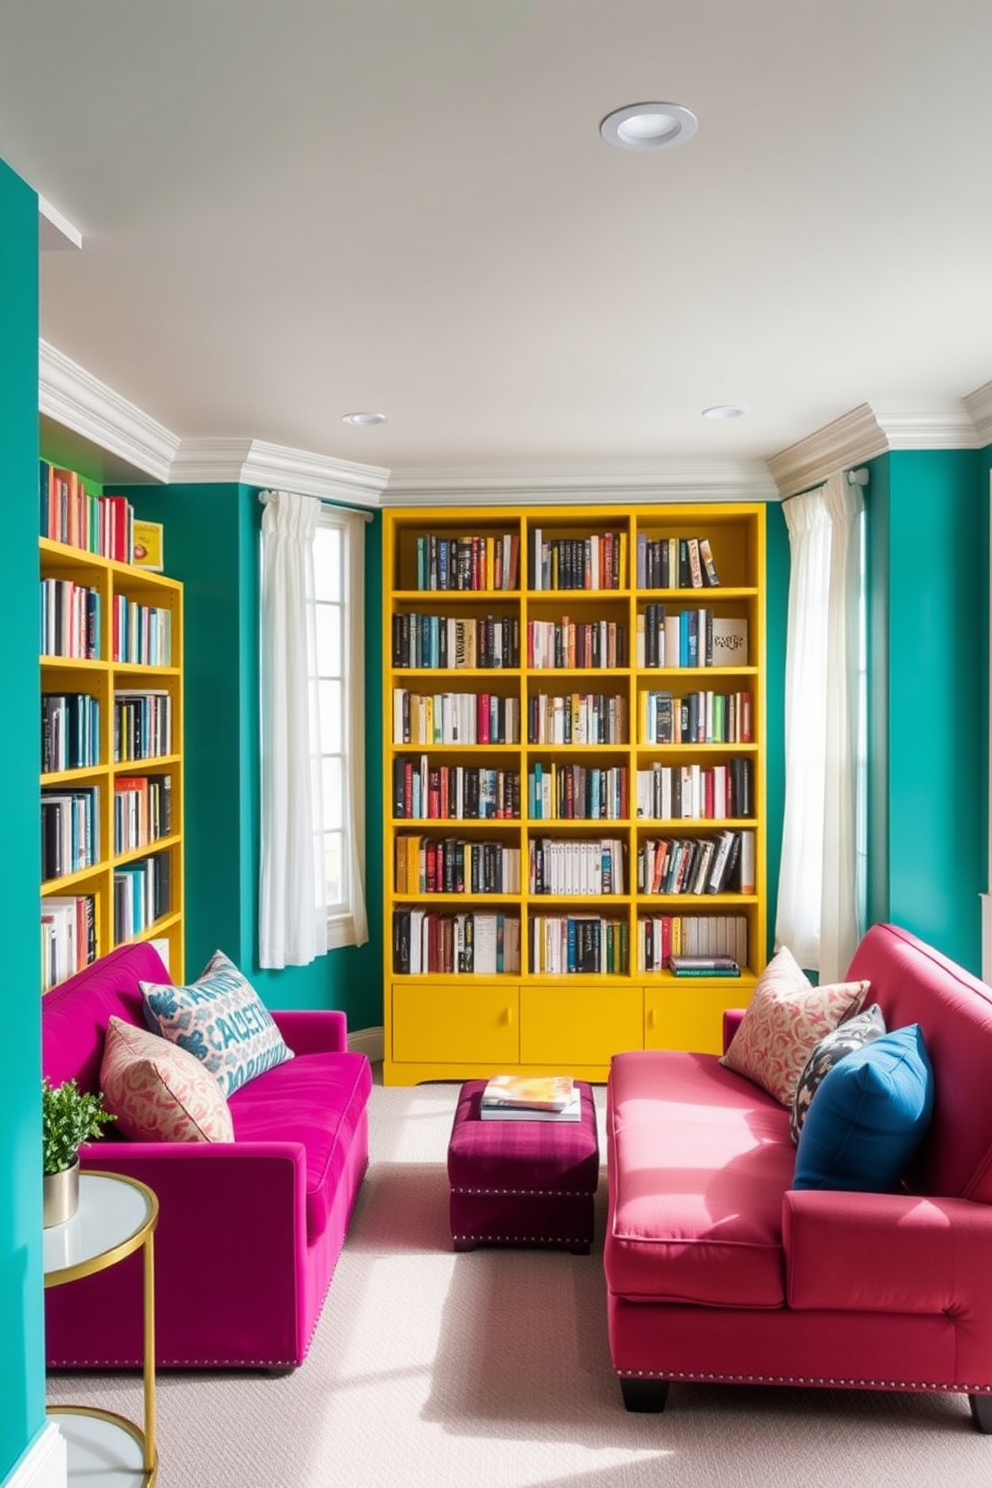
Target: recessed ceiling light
(649, 126)
(364, 420)
(725, 411)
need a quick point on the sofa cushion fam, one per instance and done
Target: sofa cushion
(852, 1034)
(221, 1019)
(784, 1021)
(698, 1161)
(158, 1092)
(868, 1117)
(317, 1100)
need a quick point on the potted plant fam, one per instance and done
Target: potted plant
(69, 1116)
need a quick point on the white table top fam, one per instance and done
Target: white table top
(112, 1210)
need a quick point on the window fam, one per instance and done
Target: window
(339, 672)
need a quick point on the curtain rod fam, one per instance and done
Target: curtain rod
(360, 511)
(854, 478)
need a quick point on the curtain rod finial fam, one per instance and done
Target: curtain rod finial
(857, 477)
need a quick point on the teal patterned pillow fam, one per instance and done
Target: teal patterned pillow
(221, 1019)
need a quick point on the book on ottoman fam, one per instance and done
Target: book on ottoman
(530, 1098)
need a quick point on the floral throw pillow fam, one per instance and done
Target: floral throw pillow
(158, 1092)
(852, 1034)
(220, 1019)
(784, 1021)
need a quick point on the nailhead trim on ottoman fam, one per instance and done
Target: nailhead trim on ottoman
(522, 1182)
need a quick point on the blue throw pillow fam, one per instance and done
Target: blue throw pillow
(868, 1116)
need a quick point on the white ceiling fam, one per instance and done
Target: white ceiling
(293, 210)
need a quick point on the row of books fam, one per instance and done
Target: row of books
(689, 638)
(473, 562)
(659, 937)
(70, 620)
(68, 936)
(142, 810)
(554, 645)
(697, 865)
(488, 943)
(675, 563)
(576, 792)
(696, 792)
(446, 642)
(70, 731)
(424, 792)
(142, 725)
(576, 718)
(577, 867)
(475, 944)
(71, 514)
(594, 562)
(455, 718)
(452, 865)
(141, 895)
(142, 634)
(567, 945)
(698, 718)
(70, 830)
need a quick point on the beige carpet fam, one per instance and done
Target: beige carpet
(431, 1370)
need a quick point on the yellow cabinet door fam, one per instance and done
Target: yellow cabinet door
(460, 1022)
(690, 1015)
(576, 1027)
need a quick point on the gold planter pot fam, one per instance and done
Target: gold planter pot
(61, 1196)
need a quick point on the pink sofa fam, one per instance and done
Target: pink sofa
(249, 1231)
(717, 1270)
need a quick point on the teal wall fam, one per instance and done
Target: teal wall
(212, 544)
(928, 723)
(22, 1366)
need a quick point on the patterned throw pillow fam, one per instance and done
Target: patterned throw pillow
(158, 1092)
(221, 1019)
(852, 1034)
(784, 1021)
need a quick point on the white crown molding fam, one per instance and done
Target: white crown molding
(979, 406)
(80, 402)
(252, 462)
(945, 429)
(55, 231)
(675, 480)
(868, 431)
(848, 440)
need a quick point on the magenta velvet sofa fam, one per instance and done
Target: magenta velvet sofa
(249, 1231)
(718, 1270)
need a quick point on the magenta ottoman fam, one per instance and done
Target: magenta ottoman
(522, 1182)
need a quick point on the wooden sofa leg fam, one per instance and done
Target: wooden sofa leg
(981, 1412)
(645, 1394)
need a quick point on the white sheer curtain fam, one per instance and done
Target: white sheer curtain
(357, 931)
(818, 898)
(292, 907)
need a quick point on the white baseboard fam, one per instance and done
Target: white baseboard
(45, 1464)
(986, 937)
(368, 1041)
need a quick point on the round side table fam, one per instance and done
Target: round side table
(116, 1216)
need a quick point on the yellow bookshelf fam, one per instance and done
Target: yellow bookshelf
(111, 656)
(550, 755)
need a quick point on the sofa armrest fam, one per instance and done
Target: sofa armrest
(731, 1022)
(870, 1252)
(320, 1031)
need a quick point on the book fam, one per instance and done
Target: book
(729, 641)
(704, 966)
(529, 1092)
(569, 1113)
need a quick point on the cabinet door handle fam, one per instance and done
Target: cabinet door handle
(509, 1015)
